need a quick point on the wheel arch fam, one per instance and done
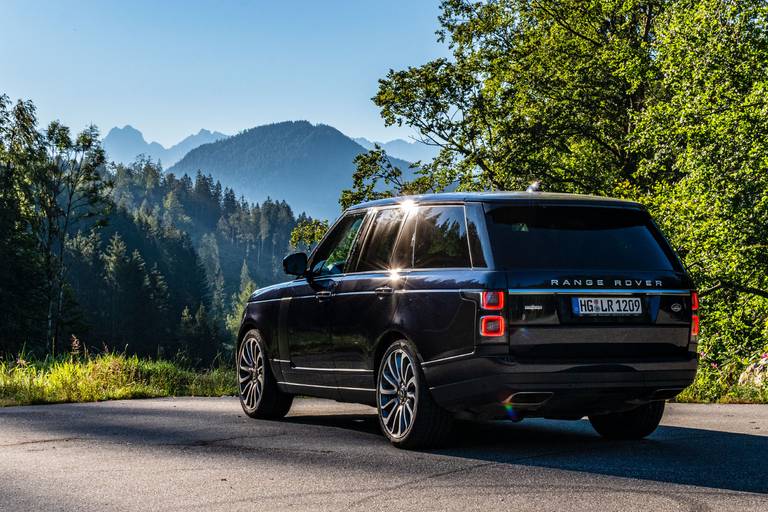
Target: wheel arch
(383, 343)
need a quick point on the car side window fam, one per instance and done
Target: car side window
(332, 255)
(440, 240)
(377, 253)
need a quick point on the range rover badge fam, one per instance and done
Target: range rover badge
(676, 307)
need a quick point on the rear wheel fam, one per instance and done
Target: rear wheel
(634, 424)
(407, 414)
(259, 395)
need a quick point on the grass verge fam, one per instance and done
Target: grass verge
(106, 377)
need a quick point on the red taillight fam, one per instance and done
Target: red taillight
(492, 301)
(492, 325)
(694, 316)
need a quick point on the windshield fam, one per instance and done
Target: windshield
(575, 237)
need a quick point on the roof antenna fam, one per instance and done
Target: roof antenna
(534, 187)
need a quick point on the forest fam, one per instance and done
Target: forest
(123, 258)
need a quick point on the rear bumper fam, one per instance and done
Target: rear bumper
(500, 386)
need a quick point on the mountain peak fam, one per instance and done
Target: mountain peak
(125, 144)
(306, 164)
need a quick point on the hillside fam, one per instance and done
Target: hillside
(123, 145)
(306, 165)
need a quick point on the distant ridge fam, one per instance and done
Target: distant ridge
(124, 144)
(410, 151)
(307, 165)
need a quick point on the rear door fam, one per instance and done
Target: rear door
(364, 300)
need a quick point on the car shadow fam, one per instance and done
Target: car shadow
(678, 455)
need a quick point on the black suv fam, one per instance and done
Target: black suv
(478, 305)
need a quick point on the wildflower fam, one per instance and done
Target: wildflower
(764, 356)
(714, 365)
(702, 354)
(20, 361)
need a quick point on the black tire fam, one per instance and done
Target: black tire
(634, 424)
(430, 425)
(257, 388)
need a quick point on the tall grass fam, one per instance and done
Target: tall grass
(106, 377)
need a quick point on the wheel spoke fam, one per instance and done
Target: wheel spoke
(389, 403)
(245, 390)
(252, 396)
(248, 353)
(389, 380)
(392, 370)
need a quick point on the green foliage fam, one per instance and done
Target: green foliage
(106, 377)
(57, 183)
(307, 233)
(377, 176)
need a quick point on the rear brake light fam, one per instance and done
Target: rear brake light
(694, 316)
(492, 301)
(492, 325)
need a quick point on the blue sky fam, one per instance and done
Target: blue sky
(170, 68)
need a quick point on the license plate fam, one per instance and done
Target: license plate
(619, 306)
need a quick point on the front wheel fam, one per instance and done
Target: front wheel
(259, 395)
(407, 414)
(634, 424)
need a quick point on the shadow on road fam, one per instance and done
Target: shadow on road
(678, 455)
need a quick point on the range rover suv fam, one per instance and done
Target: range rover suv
(478, 305)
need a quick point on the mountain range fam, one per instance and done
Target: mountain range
(124, 144)
(410, 151)
(306, 165)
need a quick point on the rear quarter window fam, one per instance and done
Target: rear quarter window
(440, 239)
(576, 237)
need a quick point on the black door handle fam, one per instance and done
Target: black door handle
(383, 290)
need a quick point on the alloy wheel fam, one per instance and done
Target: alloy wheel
(251, 373)
(397, 393)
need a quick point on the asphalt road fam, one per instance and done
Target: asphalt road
(204, 454)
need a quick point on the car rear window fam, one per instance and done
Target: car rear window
(575, 237)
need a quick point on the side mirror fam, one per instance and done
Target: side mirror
(295, 264)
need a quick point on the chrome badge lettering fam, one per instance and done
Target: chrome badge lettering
(617, 283)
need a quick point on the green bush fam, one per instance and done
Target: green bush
(106, 377)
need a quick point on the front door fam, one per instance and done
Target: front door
(307, 322)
